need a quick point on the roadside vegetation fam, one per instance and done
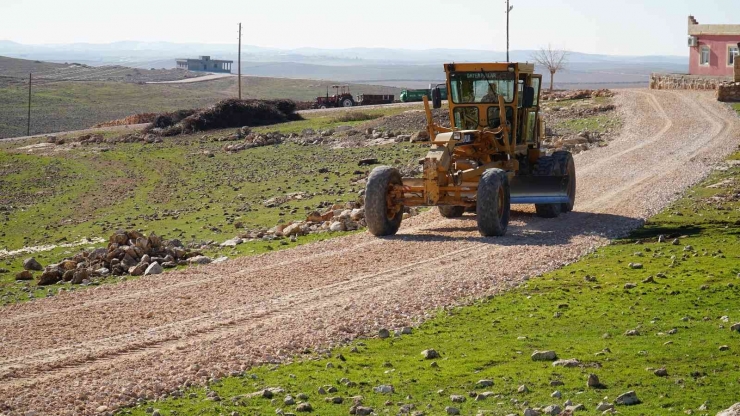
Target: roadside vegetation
(652, 313)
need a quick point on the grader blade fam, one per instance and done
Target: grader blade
(539, 190)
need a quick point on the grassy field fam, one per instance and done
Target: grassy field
(77, 105)
(680, 304)
(173, 188)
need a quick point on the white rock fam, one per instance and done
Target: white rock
(732, 411)
(232, 243)
(199, 260)
(153, 268)
(336, 226)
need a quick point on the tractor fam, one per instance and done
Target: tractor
(490, 157)
(341, 98)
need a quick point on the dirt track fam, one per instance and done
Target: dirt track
(107, 346)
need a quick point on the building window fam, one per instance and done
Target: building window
(704, 59)
(732, 52)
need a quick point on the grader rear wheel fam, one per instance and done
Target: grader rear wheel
(383, 212)
(494, 203)
(451, 211)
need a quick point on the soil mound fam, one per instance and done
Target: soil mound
(225, 114)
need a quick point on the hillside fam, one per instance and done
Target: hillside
(62, 106)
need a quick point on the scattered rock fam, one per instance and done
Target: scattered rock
(361, 411)
(594, 383)
(635, 266)
(32, 264)
(154, 268)
(24, 275)
(544, 356)
(232, 242)
(630, 286)
(604, 406)
(632, 333)
(556, 395)
(200, 260)
(627, 399)
(572, 362)
(457, 398)
(661, 372)
(552, 410)
(452, 410)
(384, 389)
(724, 348)
(734, 410)
(735, 327)
(430, 354)
(484, 383)
(304, 407)
(523, 389)
(367, 162)
(384, 333)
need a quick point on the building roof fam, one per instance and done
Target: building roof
(696, 29)
(200, 60)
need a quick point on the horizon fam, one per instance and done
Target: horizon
(235, 45)
(630, 28)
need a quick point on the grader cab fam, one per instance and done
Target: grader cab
(488, 159)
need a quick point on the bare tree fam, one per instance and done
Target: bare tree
(552, 59)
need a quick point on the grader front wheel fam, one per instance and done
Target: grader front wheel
(494, 203)
(383, 212)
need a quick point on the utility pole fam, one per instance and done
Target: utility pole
(508, 10)
(28, 129)
(239, 63)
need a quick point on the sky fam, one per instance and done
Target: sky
(624, 27)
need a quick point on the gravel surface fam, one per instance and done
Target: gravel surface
(91, 351)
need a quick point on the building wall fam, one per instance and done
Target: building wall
(717, 55)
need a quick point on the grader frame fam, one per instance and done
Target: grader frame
(494, 141)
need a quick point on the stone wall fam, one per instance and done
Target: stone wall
(737, 70)
(685, 82)
(729, 92)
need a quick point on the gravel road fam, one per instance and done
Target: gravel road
(91, 351)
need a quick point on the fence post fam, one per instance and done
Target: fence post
(30, 80)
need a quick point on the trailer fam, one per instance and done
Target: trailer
(374, 99)
(410, 96)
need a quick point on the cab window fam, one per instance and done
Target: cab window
(536, 85)
(466, 118)
(494, 120)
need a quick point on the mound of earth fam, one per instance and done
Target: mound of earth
(225, 114)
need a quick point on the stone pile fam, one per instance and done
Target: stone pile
(128, 253)
(685, 82)
(348, 216)
(575, 94)
(580, 143)
(729, 92)
(90, 139)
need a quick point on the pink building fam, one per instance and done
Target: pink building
(713, 48)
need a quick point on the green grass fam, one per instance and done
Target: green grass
(173, 189)
(736, 107)
(77, 105)
(561, 311)
(598, 123)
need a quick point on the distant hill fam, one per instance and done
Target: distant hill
(393, 67)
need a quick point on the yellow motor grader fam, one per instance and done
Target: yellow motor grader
(488, 159)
